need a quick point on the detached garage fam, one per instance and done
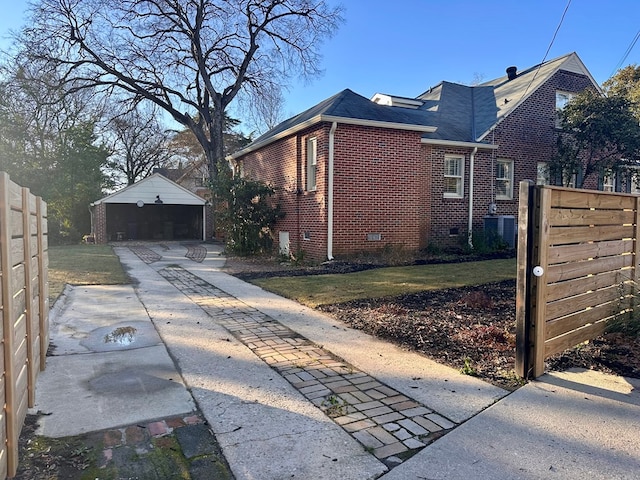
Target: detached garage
(152, 209)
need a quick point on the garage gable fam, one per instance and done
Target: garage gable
(150, 190)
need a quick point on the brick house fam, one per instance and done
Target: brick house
(356, 174)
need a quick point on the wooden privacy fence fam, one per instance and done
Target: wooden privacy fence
(25, 310)
(577, 268)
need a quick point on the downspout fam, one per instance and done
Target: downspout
(470, 227)
(332, 132)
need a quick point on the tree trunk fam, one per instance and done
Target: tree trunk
(215, 152)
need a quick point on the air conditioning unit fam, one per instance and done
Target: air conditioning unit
(500, 226)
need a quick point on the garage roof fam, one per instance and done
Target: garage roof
(150, 189)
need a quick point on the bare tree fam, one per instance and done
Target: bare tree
(138, 144)
(265, 111)
(191, 58)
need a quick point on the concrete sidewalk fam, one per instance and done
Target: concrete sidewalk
(270, 426)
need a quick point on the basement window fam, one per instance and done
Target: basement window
(374, 237)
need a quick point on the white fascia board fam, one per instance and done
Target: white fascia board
(331, 119)
(453, 143)
(381, 124)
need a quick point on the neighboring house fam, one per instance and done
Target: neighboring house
(154, 208)
(356, 174)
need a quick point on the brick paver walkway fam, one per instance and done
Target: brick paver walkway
(197, 253)
(146, 254)
(389, 424)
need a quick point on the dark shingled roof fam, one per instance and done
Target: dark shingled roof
(460, 113)
(349, 105)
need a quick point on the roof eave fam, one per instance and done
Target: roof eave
(456, 143)
(331, 119)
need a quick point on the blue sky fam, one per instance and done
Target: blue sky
(403, 47)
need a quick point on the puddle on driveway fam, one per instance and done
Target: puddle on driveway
(121, 336)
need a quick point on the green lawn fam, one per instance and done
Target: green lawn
(317, 290)
(83, 265)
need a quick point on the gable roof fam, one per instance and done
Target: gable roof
(147, 190)
(448, 112)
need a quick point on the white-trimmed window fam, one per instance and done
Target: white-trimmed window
(569, 180)
(312, 163)
(634, 180)
(562, 98)
(504, 179)
(543, 177)
(454, 176)
(608, 181)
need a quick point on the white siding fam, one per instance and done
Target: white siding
(146, 190)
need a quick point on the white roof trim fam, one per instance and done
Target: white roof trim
(571, 63)
(453, 143)
(331, 119)
(188, 197)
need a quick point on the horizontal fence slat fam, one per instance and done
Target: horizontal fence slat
(15, 196)
(566, 235)
(578, 217)
(561, 308)
(566, 324)
(563, 342)
(568, 271)
(585, 251)
(571, 198)
(569, 288)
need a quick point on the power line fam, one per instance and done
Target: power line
(553, 39)
(626, 53)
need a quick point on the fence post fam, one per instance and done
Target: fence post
(539, 283)
(43, 279)
(526, 211)
(6, 266)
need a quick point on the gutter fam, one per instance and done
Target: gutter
(453, 143)
(332, 132)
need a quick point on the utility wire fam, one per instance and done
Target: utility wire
(626, 53)
(553, 39)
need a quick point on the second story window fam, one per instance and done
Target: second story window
(608, 181)
(543, 177)
(504, 179)
(454, 176)
(312, 163)
(562, 98)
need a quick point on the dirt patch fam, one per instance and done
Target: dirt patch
(471, 329)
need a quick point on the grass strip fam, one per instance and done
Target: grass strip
(315, 290)
(83, 265)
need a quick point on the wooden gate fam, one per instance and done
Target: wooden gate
(25, 310)
(577, 268)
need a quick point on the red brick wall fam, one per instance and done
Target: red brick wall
(527, 136)
(381, 180)
(283, 165)
(381, 187)
(386, 182)
(100, 223)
